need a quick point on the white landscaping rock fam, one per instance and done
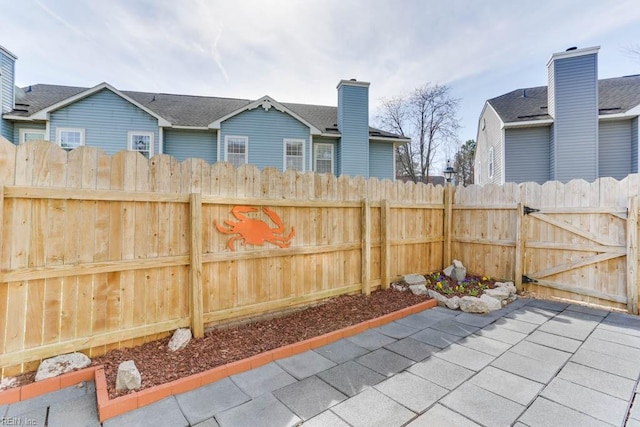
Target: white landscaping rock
(500, 293)
(128, 377)
(457, 264)
(507, 285)
(180, 339)
(7, 383)
(442, 300)
(459, 271)
(492, 303)
(399, 287)
(419, 289)
(453, 303)
(414, 279)
(447, 271)
(59, 365)
(473, 305)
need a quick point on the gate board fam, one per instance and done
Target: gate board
(571, 251)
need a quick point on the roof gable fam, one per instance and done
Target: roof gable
(43, 114)
(265, 102)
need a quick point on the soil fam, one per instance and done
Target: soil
(472, 285)
(231, 343)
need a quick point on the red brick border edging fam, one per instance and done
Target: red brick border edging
(109, 408)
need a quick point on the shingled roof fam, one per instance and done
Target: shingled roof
(616, 95)
(181, 110)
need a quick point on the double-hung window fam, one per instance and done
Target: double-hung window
(236, 150)
(141, 142)
(323, 158)
(490, 163)
(294, 154)
(69, 138)
(27, 135)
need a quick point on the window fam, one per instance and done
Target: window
(236, 150)
(27, 135)
(490, 163)
(69, 139)
(323, 154)
(141, 142)
(294, 154)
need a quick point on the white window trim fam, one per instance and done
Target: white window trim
(315, 156)
(246, 147)
(130, 136)
(490, 164)
(284, 152)
(60, 130)
(24, 131)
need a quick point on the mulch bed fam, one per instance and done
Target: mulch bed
(229, 344)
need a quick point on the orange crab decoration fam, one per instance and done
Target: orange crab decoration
(255, 231)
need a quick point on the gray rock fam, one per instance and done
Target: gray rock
(180, 339)
(500, 293)
(414, 279)
(507, 285)
(128, 377)
(453, 303)
(458, 264)
(447, 271)
(459, 273)
(419, 289)
(442, 300)
(7, 383)
(492, 303)
(473, 305)
(399, 287)
(59, 365)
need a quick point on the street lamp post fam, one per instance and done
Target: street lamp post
(449, 172)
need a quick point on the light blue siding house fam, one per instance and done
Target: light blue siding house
(262, 132)
(576, 127)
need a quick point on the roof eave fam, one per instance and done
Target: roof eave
(528, 123)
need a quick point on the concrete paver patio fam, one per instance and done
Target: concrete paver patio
(532, 363)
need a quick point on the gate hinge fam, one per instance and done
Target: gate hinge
(528, 210)
(527, 279)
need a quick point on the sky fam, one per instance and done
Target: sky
(298, 50)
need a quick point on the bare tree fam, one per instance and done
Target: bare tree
(429, 116)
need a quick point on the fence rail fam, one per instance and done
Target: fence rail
(99, 251)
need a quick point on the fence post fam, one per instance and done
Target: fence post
(448, 219)
(366, 247)
(195, 266)
(1, 216)
(385, 244)
(632, 256)
(519, 264)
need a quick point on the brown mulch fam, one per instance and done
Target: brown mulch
(228, 344)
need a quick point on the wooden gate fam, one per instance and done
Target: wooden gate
(576, 251)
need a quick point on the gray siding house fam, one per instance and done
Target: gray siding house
(576, 127)
(262, 132)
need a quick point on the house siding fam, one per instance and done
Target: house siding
(183, 144)
(266, 131)
(106, 118)
(7, 92)
(490, 136)
(332, 141)
(17, 126)
(576, 117)
(634, 145)
(615, 149)
(381, 160)
(353, 123)
(552, 153)
(527, 155)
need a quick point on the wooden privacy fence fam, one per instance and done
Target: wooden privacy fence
(99, 252)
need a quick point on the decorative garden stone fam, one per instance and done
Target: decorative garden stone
(419, 289)
(128, 377)
(414, 279)
(59, 365)
(492, 303)
(507, 285)
(180, 339)
(500, 293)
(473, 305)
